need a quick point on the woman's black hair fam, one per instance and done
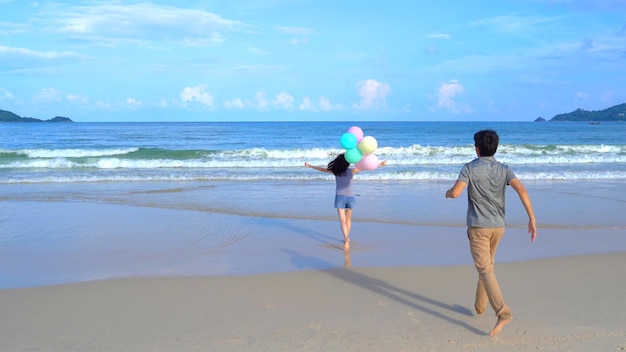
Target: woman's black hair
(339, 165)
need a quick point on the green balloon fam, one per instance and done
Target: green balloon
(353, 155)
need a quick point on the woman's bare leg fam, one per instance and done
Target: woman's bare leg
(345, 220)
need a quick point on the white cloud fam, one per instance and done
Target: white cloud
(582, 95)
(283, 101)
(27, 53)
(257, 51)
(298, 41)
(9, 29)
(491, 107)
(103, 104)
(196, 94)
(373, 94)
(325, 104)
(5, 94)
(307, 105)
(47, 95)
(76, 98)
(440, 36)
(162, 103)
(582, 98)
(134, 102)
(113, 22)
(262, 102)
(446, 95)
(295, 30)
(236, 103)
(516, 24)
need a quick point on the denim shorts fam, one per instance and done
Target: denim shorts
(344, 202)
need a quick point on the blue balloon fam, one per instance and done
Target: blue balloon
(348, 141)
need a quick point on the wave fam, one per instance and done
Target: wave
(363, 177)
(416, 162)
(65, 153)
(142, 158)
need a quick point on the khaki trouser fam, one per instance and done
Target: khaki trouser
(483, 245)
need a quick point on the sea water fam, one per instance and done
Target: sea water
(248, 151)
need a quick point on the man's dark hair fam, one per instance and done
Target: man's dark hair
(339, 165)
(487, 142)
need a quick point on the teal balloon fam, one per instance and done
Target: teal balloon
(353, 155)
(348, 141)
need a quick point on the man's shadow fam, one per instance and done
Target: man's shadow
(383, 288)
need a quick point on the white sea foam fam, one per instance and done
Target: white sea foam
(71, 153)
(416, 162)
(253, 163)
(378, 176)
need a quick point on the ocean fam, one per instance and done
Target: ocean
(88, 201)
(416, 151)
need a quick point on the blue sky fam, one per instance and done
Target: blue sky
(321, 60)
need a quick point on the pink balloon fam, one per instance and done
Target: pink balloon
(357, 131)
(369, 162)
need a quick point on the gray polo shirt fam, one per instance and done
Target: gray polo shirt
(486, 181)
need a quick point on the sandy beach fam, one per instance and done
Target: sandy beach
(121, 268)
(573, 303)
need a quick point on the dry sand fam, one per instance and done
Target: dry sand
(574, 303)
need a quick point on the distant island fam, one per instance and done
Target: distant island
(7, 116)
(614, 113)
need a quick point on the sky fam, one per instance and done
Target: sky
(311, 60)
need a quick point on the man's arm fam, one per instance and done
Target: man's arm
(525, 198)
(456, 190)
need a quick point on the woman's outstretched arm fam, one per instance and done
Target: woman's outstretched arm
(318, 168)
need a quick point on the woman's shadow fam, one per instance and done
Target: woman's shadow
(411, 299)
(372, 284)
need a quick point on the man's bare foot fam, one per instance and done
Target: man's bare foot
(499, 325)
(346, 244)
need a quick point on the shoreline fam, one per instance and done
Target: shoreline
(249, 246)
(61, 237)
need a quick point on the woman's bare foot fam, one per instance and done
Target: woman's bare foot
(346, 244)
(499, 325)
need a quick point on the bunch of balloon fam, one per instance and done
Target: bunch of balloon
(360, 149)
